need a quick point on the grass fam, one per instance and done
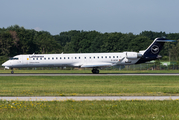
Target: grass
(89, 85)
(89, 71)
(93, 110)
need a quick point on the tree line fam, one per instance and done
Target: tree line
(15, 40)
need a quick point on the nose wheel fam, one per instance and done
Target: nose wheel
(95, 71)
(12, 72)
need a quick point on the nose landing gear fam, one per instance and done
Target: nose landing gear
(12, 72)
(95, 71)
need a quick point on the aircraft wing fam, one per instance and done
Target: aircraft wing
(119, 62)
(101, 64)
(96, 65)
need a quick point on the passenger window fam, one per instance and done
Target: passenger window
(105, 56)
(56, 57)
(60, 58)
(44, 58)
(109, 56)
(36, 58)
(52, 58)
(33, 58)
(40, 58)
(75, 57)
(49, 58)
(116, 56)
(98, 57)
(68, 57)
(113, 56)
(94, 57)
(85, 57)
(101, 56)
(90, 57)
(79, 57)
(64, 57)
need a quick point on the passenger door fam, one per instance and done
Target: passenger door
(25, 60)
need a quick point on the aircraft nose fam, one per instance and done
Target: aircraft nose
(4, 64)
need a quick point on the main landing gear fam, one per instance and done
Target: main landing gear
(12, 72)
(95, 71)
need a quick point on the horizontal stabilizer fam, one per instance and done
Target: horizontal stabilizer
(165, 40)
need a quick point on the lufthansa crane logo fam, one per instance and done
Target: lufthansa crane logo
(154, 49)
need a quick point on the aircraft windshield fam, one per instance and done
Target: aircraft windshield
(14, 59)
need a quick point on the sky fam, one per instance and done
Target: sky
(123, 16)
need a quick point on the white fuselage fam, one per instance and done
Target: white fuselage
(91, 60)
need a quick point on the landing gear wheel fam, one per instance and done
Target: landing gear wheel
(12, 72)
(95, 71)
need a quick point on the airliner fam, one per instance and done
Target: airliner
(88, 60)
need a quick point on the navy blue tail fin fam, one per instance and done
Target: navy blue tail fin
(151, 53)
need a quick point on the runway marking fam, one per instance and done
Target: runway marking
(102, 74)
(90, 98)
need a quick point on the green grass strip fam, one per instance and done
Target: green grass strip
(89, 85)
(95, 110)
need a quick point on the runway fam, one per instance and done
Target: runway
(89, 74)
(90, 98)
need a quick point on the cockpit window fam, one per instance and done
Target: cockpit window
(14, 58)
